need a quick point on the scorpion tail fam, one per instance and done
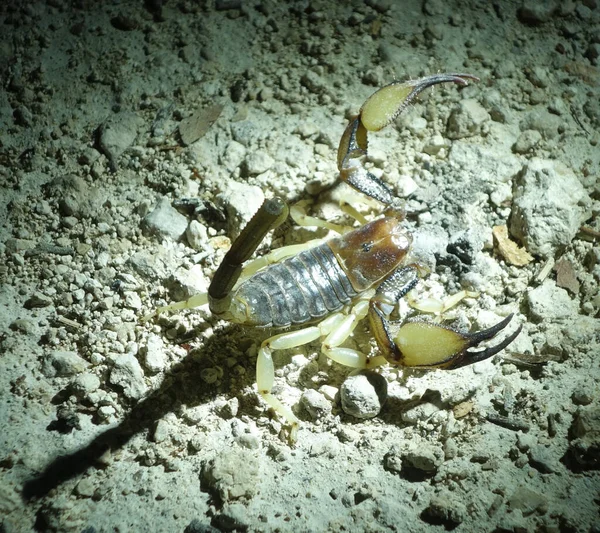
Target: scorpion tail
(272, 213)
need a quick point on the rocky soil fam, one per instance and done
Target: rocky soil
(138, 138)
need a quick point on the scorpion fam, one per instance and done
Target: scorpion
(322, 289)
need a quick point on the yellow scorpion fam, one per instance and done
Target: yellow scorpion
(323, 290)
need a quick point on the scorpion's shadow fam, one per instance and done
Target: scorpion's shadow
(182, 385)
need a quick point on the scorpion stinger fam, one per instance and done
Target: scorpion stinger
(380, 109)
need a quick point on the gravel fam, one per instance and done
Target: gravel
(136, 141)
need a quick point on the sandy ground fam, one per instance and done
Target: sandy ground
(137, 139)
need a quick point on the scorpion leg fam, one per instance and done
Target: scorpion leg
(379, 110)
(426, 344)
(348, 356)
(265, 369)
(195, 301)
(336, 328)
(298, 213)
(433, 305)
(276, 256)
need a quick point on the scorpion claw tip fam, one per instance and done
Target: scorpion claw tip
(470, 357)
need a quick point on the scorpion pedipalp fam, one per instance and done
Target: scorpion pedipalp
(379, 110)
(431, 345)
(386, 104)
(424, 344)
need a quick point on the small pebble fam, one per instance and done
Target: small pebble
(543, 460)
(155, 354)
(117, 134)
(165, 221)
(445, 509)
(63, 363)
(315, 403)
(231, 475)
(363, 394)
(37, 299)
(527, 501)
(258, 162)
(85, 488)
(467, 119)
(128, 374)
(85, 383)
(584, 394)
(527, 141)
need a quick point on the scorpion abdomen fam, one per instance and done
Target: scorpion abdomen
(299, 290)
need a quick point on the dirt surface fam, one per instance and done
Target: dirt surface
(138, 138)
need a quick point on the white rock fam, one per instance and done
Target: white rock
(197, 235)
(63, 363)
(86, 383)
(258, 162)
(240, 202)
(164, 220)
(363, 394)
(548, 302)
(233, 156)
(466, 119)
(549, 206)
(128, 374)
(315, 403)
(118, 133)
(155, 355)
(232, 475)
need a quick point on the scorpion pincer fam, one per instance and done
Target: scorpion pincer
(323, 290)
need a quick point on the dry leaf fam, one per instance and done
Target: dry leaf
(508, 249)
(565, 275)
(462, 409)
(193, 128)
(376, 28)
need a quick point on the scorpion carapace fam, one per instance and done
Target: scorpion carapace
(324, 289)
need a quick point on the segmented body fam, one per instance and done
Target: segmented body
(299, 290)
(322, 280)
